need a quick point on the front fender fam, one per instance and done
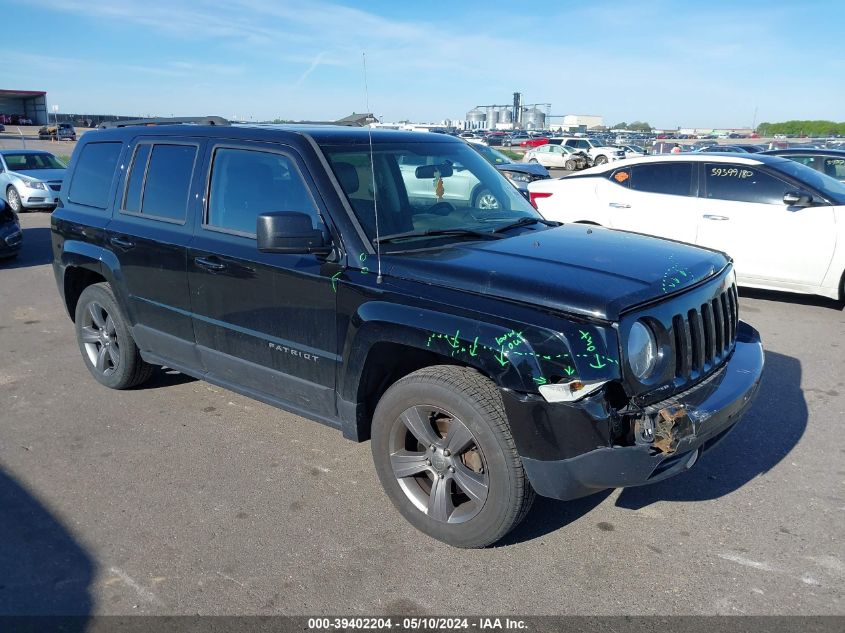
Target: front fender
(516, 356)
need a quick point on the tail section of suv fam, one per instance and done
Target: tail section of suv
(355, 278)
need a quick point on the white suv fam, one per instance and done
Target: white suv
(600, 154)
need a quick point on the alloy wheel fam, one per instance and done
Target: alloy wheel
(14, 199)
(100, 339)
(438, 464)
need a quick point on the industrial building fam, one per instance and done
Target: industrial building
(31, 104)
(516, 115)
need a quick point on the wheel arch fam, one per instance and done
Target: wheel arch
(84, 264)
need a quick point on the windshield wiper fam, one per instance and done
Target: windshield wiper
(525, 222)
(459, 232)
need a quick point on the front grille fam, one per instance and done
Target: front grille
(705, 335)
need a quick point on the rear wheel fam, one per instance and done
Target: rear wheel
(14, 199)
(107, 346)
(570, 165)
(444, 453)
(534, 160)
(600, 160)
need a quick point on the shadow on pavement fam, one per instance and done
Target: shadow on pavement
(762, 438)
(37, 249)
(165, 377)
(550, 515)
(43, 570)
(791, 297)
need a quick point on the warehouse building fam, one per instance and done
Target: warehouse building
(31, 104)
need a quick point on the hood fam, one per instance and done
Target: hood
(534, 169)
(575, 268)
(41, 174)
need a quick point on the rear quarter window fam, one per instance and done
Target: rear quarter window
(93, 173)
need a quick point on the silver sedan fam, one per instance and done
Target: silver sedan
(30, 179)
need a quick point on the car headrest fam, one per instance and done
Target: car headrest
(348, 177)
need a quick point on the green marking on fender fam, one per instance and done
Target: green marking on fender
(598, 364)
(540, 380)
(501, 357)
(334, 281)
(473, 351)
(569, 371)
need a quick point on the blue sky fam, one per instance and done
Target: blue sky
(671, 63)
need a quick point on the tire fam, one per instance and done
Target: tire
(471, 497)
(485, 199)
(534, 160)
(569, 165)
(13, 198)
(600, 160)
(107, 346)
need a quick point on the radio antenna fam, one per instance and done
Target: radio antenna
(372, 168)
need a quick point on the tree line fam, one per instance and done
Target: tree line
(798, 128)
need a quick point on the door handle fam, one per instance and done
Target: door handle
(715, 217)
(210, 264)
(122, 242)
(619, 205)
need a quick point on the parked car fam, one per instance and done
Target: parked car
(534, 141)
(515, 139)
(558, 156)
(487, 354)
(632, 151)
(724, 149)
(2, 128)
(11, 236)
(599, 152)
(494, 138)
(827, 161)
(30, 179)
(62, 132)
(520, 174)
(783, 223)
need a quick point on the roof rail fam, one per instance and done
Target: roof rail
(198, 120)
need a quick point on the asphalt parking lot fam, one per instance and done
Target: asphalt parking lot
(184, 498)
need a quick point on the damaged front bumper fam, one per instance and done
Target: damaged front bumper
(668, 436)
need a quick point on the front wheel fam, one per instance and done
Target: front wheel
(600, 160)
(444, 453)
(484, 199)
(14, 199)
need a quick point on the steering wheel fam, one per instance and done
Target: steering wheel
(441, 208)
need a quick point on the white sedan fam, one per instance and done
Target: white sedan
(783, 223)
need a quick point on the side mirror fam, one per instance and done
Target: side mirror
(289, 232)
(797, 199)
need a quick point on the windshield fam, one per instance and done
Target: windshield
(492, 156)
(26, 161)
(425, 187)
(826, 185)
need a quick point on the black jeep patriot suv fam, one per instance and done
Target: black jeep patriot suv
(350, 276)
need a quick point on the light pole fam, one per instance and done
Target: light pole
(56, 116)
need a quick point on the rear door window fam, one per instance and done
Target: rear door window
(835, 168)
(92, 176)
(674, 179)
(159, 180)
(743, 183)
